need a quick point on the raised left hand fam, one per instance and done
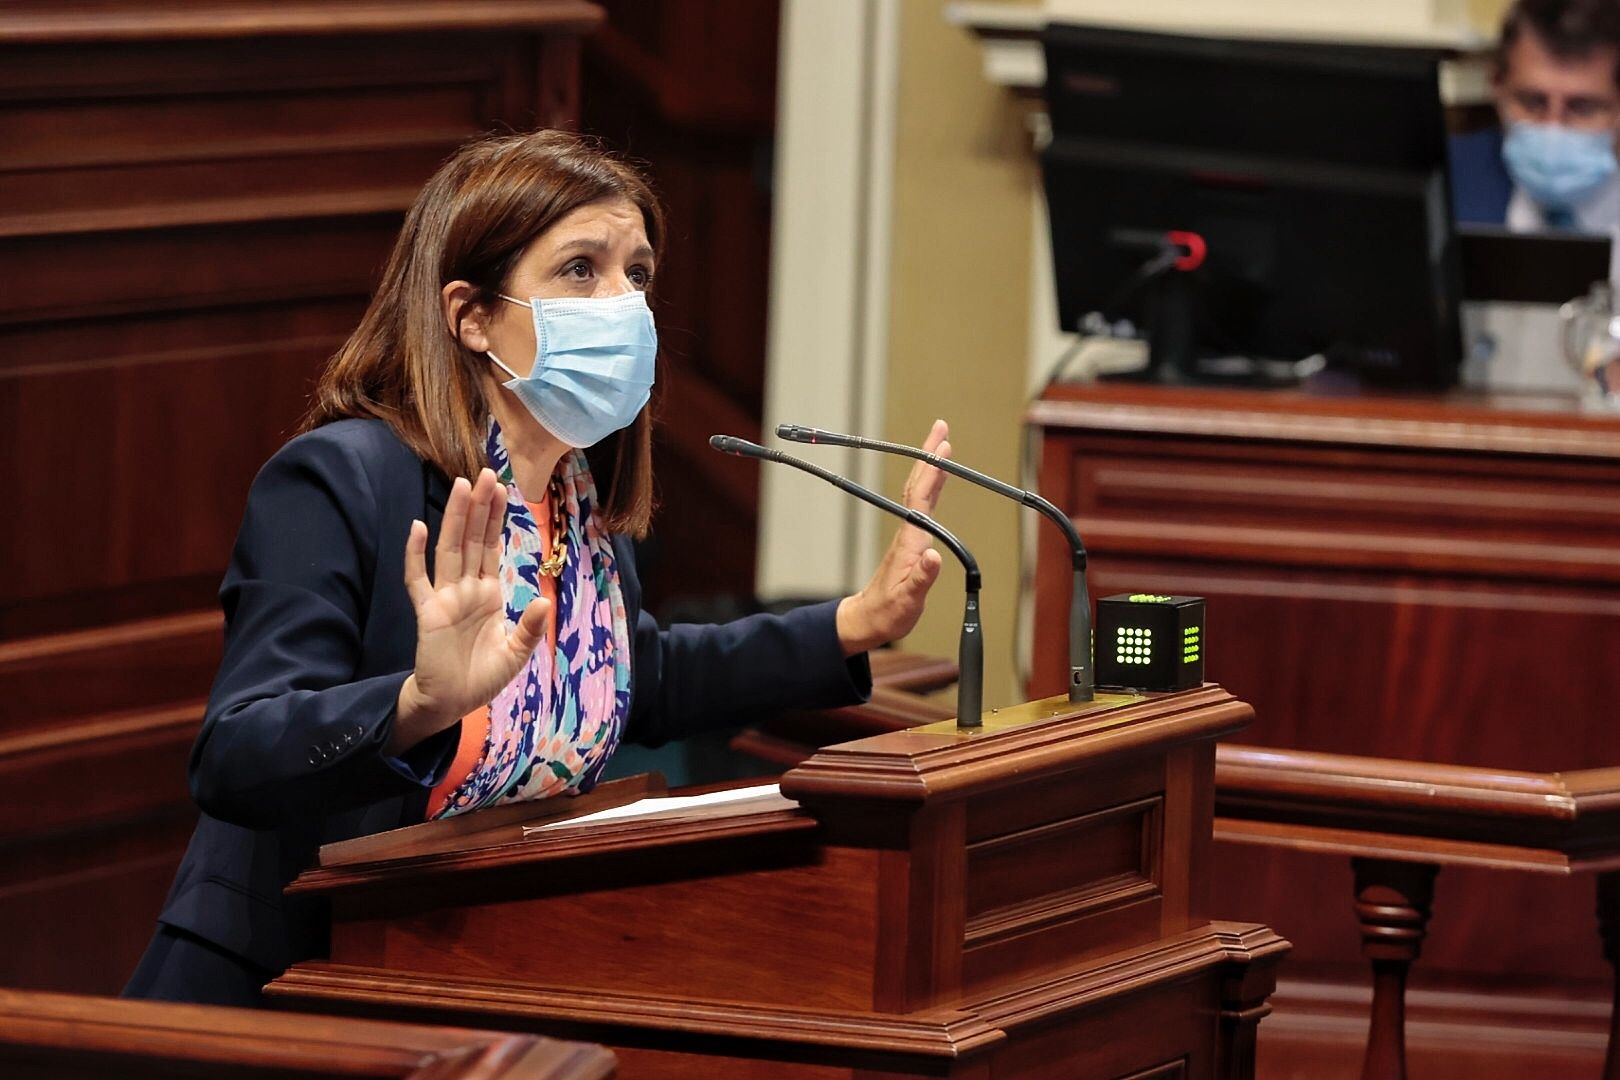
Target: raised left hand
(891, 603)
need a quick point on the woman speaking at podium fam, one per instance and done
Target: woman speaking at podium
(432, 605)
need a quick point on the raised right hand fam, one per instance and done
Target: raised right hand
(464, 652)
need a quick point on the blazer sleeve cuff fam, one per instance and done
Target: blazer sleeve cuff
(841, 680)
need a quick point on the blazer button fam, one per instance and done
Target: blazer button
(348, 738)
(333, 748)
(359, 730)
(315, 755)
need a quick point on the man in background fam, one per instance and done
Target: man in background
(1552, 163)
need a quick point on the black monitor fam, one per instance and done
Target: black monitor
(1305, 187)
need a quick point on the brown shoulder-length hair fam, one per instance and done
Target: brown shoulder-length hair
(472, 222)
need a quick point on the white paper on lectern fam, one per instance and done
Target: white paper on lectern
(663, 804)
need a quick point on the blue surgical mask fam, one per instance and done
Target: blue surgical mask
(1557, 166)
(593, 365)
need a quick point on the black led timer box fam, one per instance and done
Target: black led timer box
(1146, 641)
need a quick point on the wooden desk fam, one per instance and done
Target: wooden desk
(46, 1036)
(1428, 579)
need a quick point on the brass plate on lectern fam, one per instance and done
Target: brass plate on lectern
(1033, 712)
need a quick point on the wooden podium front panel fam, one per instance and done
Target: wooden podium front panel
(1419, 578)
(1057, 870)
(679, 924)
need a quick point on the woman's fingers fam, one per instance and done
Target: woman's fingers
(933, 481)
(417, 585)
(922, 576)
(447, 556)
(472, 536)
(530, 629)
(491, 565)
(925, 482)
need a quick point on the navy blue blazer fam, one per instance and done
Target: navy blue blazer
(1481, 186)
(319, 637)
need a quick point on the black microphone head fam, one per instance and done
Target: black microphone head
(730, 444)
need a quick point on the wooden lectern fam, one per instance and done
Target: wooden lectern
(1026, 901)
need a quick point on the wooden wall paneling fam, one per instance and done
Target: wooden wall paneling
(79, 903)
(690, 89)
(1417, 578)
(195, 200)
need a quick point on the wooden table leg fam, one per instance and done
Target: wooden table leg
(1608, 912)
(1392, 901)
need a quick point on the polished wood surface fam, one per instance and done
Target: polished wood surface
(1400, 822)
(908, 905)
(61, 1036)
(194, 200)
(1417, 578)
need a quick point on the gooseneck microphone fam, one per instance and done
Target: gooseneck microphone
(1082, 678)
(970, 656)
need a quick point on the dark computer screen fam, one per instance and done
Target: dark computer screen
(1314, 176)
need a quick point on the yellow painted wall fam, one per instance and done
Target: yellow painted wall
(1487, 14)
(959, 307)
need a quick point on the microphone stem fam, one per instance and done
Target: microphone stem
(1082, 680)
(970, 661)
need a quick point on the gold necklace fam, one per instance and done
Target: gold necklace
(553, 566)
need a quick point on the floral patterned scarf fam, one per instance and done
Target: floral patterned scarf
(553, 728)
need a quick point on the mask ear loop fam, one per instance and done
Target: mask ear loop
(491, 355)
(502, 366)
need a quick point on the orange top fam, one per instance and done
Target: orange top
(475, 725)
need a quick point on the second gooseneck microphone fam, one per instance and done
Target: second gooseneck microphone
(1082, 678)
(970, 657)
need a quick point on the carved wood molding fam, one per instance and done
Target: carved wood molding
(37, 1023)
(108, 735)
(602, 839)
(1524, 424)
(1342, 549)
(918, 765)
(942, 1033)
(134, 764)
(1218, 945)
(980, 1024)
(25, 655)
(44, 22)
(216, 211)
(1444, 814)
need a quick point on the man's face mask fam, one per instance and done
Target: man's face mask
(1557, 166)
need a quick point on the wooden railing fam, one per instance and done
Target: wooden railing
(1399, 823)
